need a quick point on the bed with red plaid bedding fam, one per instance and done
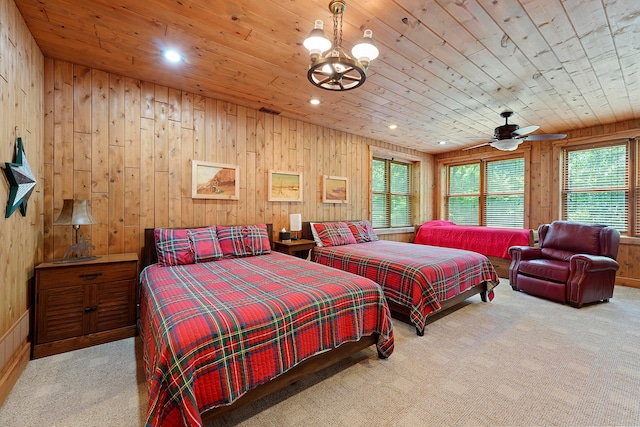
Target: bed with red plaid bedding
(213, 331)
(418, 277)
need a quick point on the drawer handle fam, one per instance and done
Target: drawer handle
(88, 309)
(91, 276)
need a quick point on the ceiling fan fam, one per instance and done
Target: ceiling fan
(509, 136)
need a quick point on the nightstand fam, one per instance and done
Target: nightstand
(84, 303)
(298, 247)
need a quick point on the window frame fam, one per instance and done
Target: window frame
(483, 160)
(387, 192)
(632, 189)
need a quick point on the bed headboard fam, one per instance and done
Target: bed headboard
(150, 256)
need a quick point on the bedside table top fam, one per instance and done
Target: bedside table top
(298, 242)
(101, 259)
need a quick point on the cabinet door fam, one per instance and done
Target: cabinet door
(61, 313)
(115, 305)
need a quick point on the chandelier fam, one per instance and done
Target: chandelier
(337, 70)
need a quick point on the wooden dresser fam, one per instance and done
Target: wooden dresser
(82, 304)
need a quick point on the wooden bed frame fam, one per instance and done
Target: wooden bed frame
(303, 369)
(402, 312)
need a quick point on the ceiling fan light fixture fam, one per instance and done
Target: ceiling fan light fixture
(506, 144)
(336, 70)
(509, 136)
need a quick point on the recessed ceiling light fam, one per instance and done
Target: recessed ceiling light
(393, 126)
(314, 101)
(172, 56)
(442, 142)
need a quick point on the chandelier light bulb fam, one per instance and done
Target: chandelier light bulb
(365, 51)
(317, 41)
(331, 68)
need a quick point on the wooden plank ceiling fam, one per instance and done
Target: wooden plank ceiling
(446, 70)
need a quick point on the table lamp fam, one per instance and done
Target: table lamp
(295, 224)
(75, 212)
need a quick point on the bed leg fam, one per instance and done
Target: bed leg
(419, 332)
(382, 356)
(483, 296)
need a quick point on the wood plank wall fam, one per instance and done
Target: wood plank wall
(21, 103)
(126, 145)
(543, 189)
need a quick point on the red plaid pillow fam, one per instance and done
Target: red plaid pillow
(334, 233)
(173, 247)
(243, 240)
(205, 244)
(363, 231)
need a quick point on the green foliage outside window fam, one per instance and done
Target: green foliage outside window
(501, 204)
(595, 186)
(391, 194)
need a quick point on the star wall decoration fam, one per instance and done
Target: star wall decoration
(21, 182)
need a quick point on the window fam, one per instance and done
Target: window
(463, 200)
(390, 193)
(487, 193)
(596, 185)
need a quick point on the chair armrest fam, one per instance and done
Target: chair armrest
(589, 263)
(517, 254)
(522, 253)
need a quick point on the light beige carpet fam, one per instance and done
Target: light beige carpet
(517, 361)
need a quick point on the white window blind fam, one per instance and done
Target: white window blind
(391, 193)
(504, 199)
(463, 204)
(499, 204)
(596, 186)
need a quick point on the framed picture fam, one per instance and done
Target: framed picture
(214, 181)
(285, 186)
(335, 189)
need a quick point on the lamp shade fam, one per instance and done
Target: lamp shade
(295, 222)
(74, 212)
(365, 49)
(317, 41)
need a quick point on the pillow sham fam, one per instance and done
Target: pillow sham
(173, 247)
(363, 231)
(205, 244)
(243, 240)
(314, 233)
(334, 234)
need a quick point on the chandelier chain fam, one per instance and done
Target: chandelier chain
(337, 41)
(340, 37)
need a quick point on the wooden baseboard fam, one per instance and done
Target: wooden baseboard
(75, 343)
(13, 371)
(628, 281)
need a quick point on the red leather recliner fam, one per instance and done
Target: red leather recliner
(575, 263)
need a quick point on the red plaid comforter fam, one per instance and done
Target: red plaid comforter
(215, 330)
(415, 276)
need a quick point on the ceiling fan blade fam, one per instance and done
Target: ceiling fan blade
(477, 146)
(525, 130)
(544, 137)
